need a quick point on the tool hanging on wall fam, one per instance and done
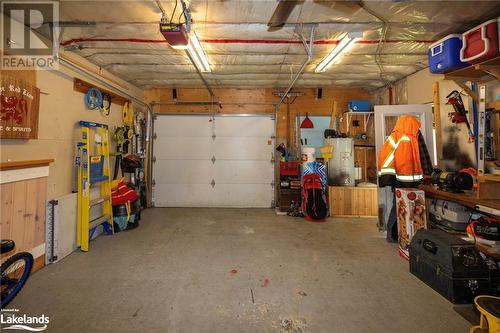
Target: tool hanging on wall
(128, 114)
(122, 138)
(106, 104)
(489, 135)
(93, 99)
(460, 115)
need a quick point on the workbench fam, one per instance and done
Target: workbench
(468, 199)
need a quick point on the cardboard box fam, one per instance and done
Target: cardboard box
(411, 216)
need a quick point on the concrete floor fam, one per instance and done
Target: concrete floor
(195, 270)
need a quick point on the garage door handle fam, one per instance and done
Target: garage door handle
(213, 183)
(213, 159)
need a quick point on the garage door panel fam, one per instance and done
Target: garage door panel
(242, 169)
(188, 148)
(184, 195)
(246, 148)
(243, 195)
(244, 127)
(243, 172)
(184, 171)
(183, 126)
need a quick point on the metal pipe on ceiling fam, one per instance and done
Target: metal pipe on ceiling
(385, 28)
(163, 12)
(243, 41)
(309, 51)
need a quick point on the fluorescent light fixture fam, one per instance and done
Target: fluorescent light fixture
(180, 47)
(197, 54)
(345, 44)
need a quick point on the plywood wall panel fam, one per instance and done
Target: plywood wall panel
(353, 201)
(23, 213)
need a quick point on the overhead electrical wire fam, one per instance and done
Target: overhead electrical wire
(173, 12)
(182, 13)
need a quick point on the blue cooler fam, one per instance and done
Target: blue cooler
(444, 55)
(359, 105)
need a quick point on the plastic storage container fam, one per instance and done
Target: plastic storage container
(289, 168)
(359, 105)
(480, 43)
(449, 214)
(444, 55)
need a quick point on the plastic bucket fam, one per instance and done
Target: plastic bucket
(308, 154)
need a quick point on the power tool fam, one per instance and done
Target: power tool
(460, 114)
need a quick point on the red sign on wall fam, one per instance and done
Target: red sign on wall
(19, 104)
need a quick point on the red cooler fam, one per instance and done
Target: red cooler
(480, 43)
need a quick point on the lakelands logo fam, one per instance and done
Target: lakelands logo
(29, 35)
(10, 319)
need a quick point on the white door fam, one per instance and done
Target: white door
(221, 161)
(385, 119)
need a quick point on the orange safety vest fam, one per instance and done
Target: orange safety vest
(400, 154)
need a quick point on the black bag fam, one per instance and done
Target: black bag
(130, 163)
(449, 265)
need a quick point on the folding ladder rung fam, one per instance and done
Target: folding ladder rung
(99, 200)
(98, 221)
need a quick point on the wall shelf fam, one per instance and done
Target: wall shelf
(481, 73)
(489, 178)
(366, 117)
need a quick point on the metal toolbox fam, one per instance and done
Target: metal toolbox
(449, 265)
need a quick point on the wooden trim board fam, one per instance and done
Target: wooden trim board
(10, 165)
(83, 86)
(17, 175)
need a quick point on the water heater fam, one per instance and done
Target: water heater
(341, 165)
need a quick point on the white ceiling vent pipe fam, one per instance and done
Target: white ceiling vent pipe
(309, 51)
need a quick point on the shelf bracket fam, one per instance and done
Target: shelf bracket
(366, 119)
(493, 70)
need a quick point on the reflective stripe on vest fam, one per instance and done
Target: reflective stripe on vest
(394, 145)
(410, 178)
(387, 171)
(403, 178)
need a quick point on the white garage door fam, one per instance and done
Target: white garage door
(224, 161)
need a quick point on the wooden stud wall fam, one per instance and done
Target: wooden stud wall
(258, 100)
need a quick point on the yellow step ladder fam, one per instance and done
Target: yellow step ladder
(93, 170)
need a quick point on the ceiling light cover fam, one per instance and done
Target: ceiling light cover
(198, 55)
(343, 46)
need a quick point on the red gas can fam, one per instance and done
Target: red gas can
(480, 43)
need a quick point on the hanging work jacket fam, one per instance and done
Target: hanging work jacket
(399, 159)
